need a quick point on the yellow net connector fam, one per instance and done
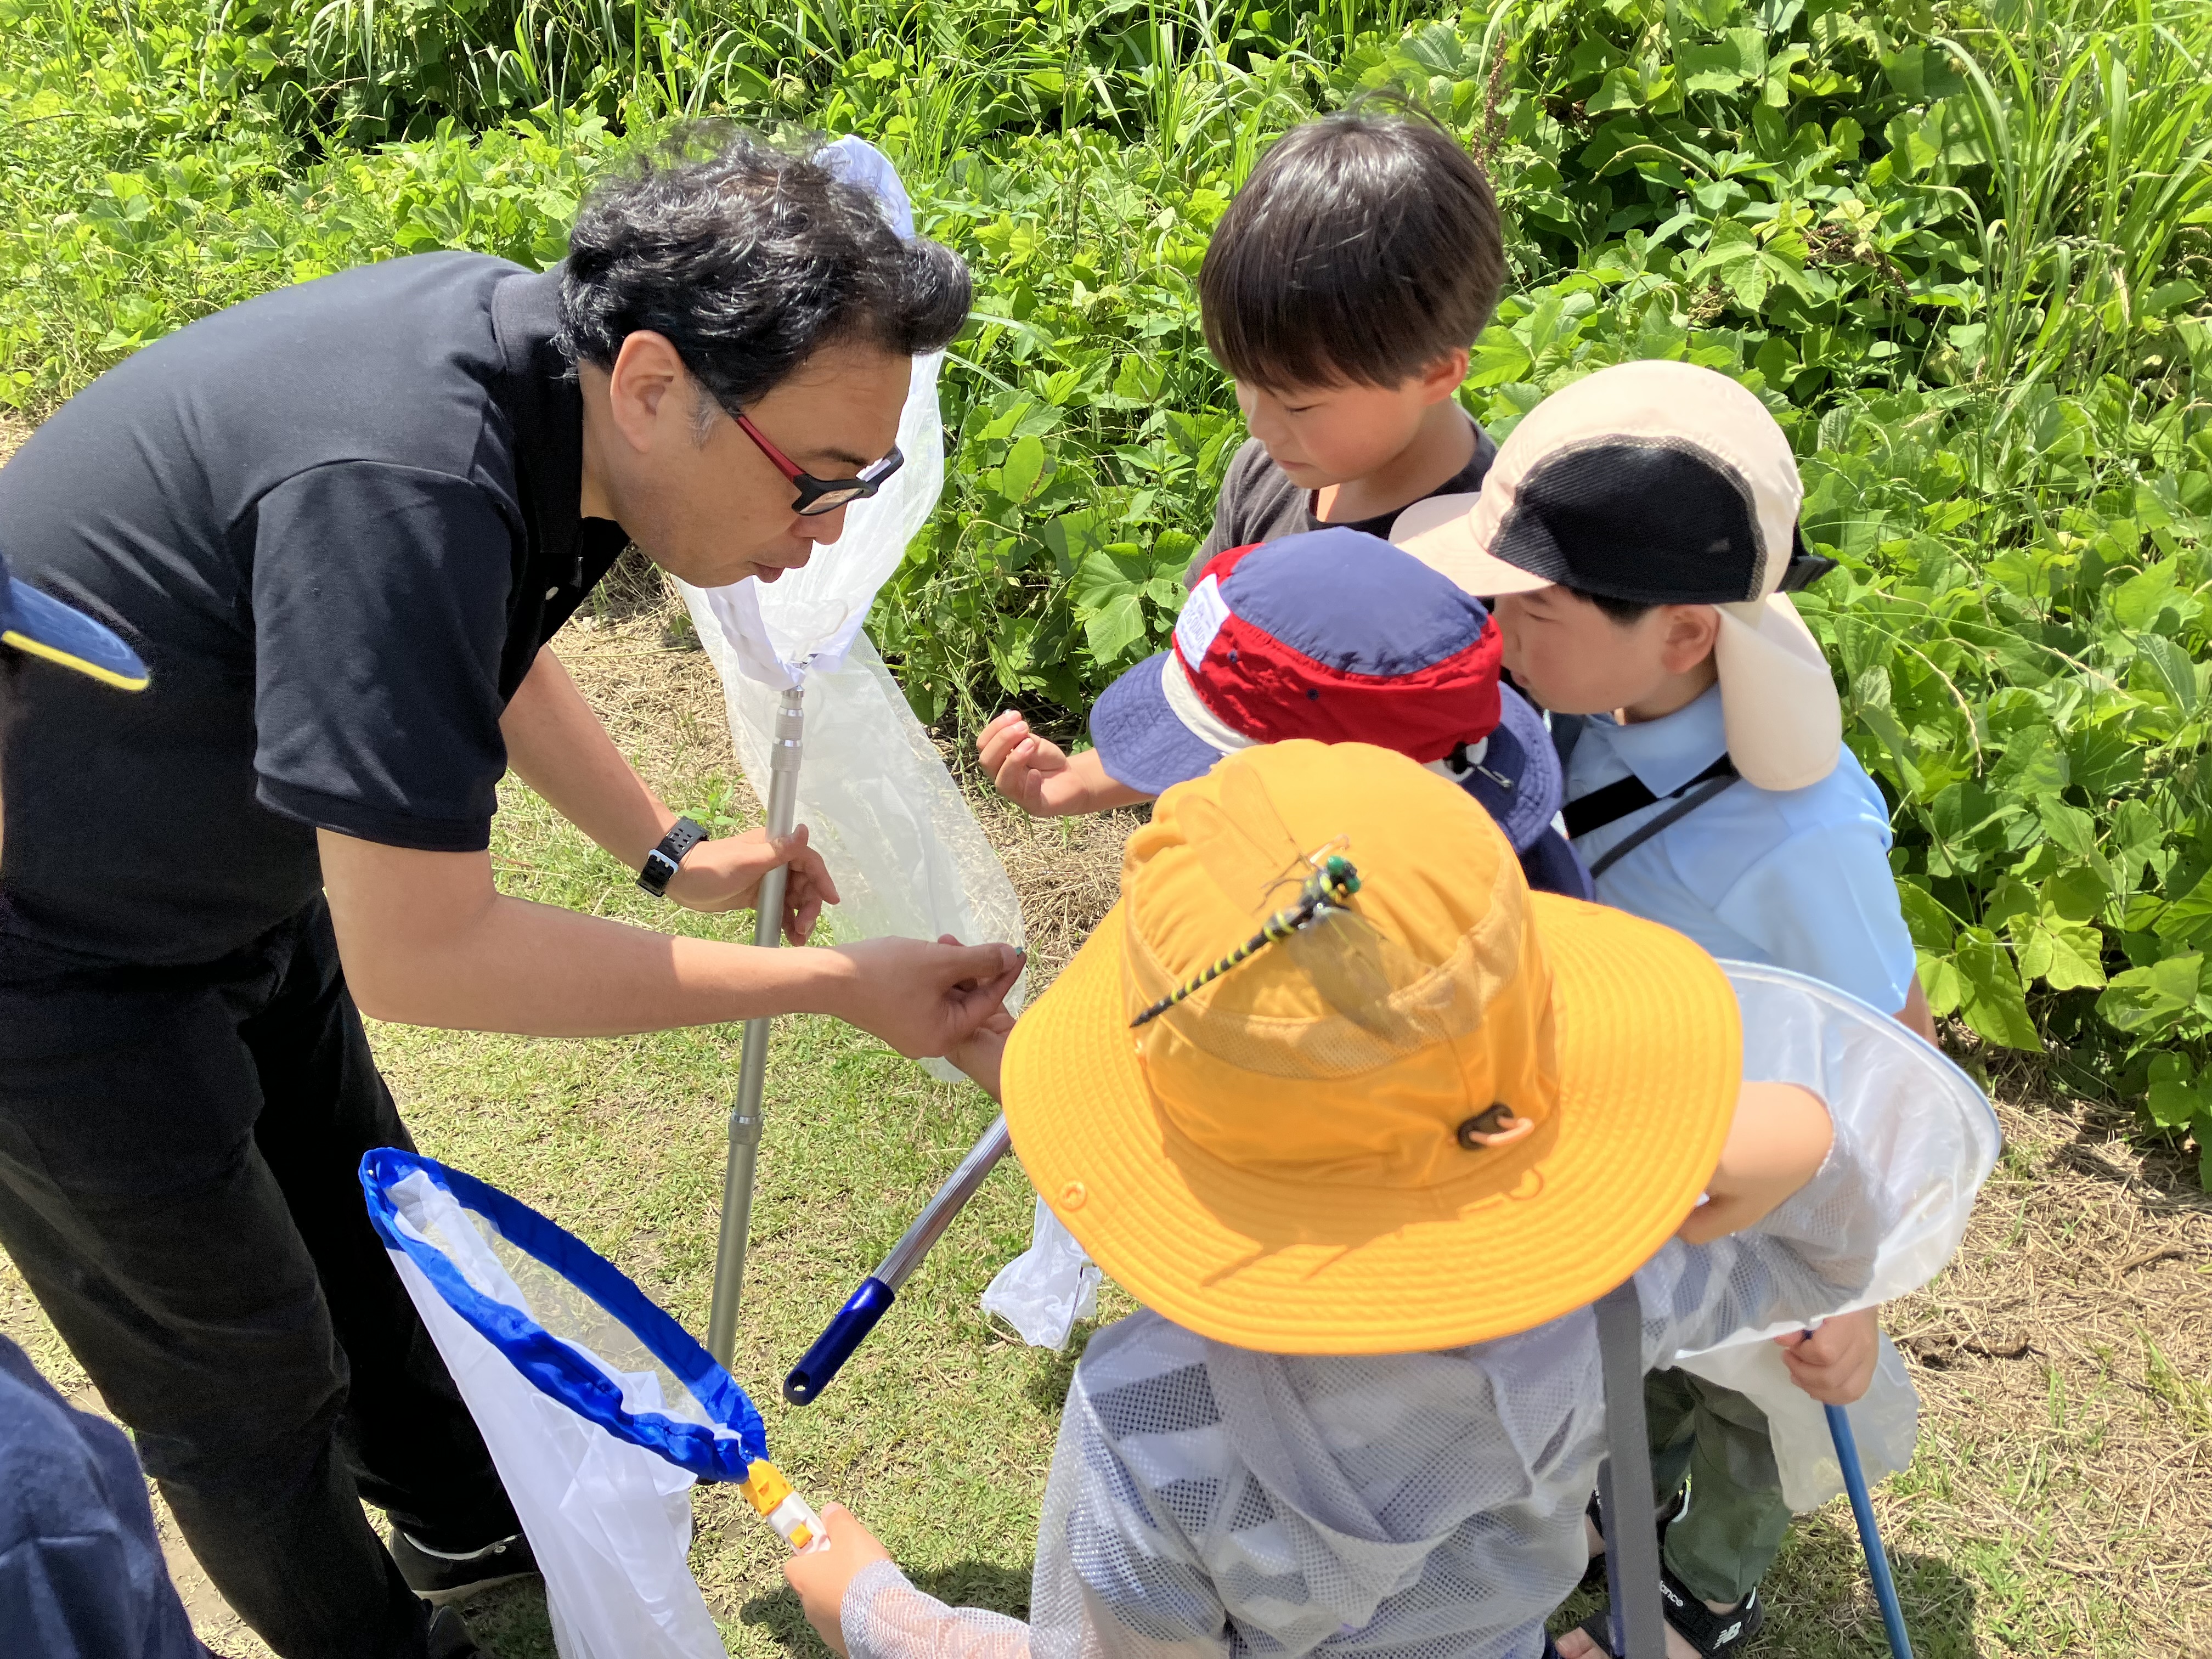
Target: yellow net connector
(794, 1519)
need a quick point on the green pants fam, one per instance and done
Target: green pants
(1724, 1544)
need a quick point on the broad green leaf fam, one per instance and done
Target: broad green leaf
(2070, 827)
(2104, 760)
(2076, 893)
(2137, 601)
(2170, 663)
(1715, 66)
(1024, 465)
(2148, 999)
(2188, 920)
(2067, 956)
(1112, 629)
(1990, 996)
(1925, 918)
(1939, 983)
(2034, 767)
(2174, 1097)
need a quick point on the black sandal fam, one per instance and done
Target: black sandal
(1710, 1633)
(1592, 1577)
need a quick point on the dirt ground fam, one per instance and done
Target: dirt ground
(2061, 1500)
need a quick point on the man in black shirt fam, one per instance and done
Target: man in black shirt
(339, 522)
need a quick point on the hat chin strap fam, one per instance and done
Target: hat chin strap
(1202, 722)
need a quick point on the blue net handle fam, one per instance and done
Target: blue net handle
(552, 1365)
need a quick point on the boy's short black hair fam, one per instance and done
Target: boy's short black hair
(1365, 246)
(1626, 612)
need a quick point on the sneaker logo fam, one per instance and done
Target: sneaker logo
(1730, 1634)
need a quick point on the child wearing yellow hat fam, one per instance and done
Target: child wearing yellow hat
(1366, 1126)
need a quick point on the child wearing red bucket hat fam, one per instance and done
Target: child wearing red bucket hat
(1333, 635)
(1366, 1170)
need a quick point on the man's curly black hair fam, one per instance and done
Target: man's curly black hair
(749, 258)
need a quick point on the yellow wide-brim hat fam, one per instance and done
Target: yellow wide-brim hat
(1454, 1111)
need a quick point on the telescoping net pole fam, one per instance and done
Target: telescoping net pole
(785, 742)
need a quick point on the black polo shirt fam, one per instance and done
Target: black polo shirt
(337, 521)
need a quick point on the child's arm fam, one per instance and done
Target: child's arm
(889, 1616)
(1042, 778)
(1788, 1232)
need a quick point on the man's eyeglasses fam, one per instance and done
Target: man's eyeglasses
(820, 495)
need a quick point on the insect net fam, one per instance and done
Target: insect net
(599, 1411)
(1207, 1500)
(1930, 1161)
(900, 840)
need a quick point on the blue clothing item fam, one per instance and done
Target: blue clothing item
(82, 1574)
(1796, 878)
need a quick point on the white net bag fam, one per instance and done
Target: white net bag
(900, 840)
(1927, 1131)
(599, 1411)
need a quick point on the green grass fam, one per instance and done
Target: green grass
(1962, 248)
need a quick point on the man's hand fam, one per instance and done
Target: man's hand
(1835, 1363)
(921, 998)
(725, 875)
(1777, 1143)
(823, 1574)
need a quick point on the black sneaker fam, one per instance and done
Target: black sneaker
(451, 1638)
(440, 1577)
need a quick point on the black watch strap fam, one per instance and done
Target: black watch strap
(662, 863)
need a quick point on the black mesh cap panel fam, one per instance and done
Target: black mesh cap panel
(1647, 520)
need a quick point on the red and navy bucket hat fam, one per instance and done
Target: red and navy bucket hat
(1337, 636)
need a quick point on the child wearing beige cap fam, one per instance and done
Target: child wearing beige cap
(1639, 533)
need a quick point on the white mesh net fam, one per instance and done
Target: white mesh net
(1205, 1499)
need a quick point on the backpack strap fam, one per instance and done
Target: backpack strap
(1617, 800)
(1623, 1480)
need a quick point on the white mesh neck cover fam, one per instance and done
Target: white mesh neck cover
(1207, 1500)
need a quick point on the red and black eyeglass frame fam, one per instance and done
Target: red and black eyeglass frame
(820, 495)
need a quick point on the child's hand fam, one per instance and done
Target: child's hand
(1021, 765)
(1777, 1143)
(981, 1052)
(1835, 1363)
(823, 1574)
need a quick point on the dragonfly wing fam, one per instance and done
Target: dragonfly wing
(1242, 835)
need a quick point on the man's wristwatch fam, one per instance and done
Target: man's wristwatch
(662, 863)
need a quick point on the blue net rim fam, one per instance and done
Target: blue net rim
(551, 1365)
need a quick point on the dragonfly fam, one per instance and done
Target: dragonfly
(1353, 966)
(1328, 892)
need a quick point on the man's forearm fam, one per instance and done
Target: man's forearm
(557, 746)
(505, 964)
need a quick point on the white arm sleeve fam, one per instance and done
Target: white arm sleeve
(884, 1617)
(1809, 1257)
(1116, 1578)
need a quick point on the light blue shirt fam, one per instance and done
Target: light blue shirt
(1797, 879)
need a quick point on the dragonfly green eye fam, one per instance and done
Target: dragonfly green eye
(1341, 874)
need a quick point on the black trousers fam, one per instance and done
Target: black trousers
(178, 1156)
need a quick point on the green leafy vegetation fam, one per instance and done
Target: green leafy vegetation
(1961, 249)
